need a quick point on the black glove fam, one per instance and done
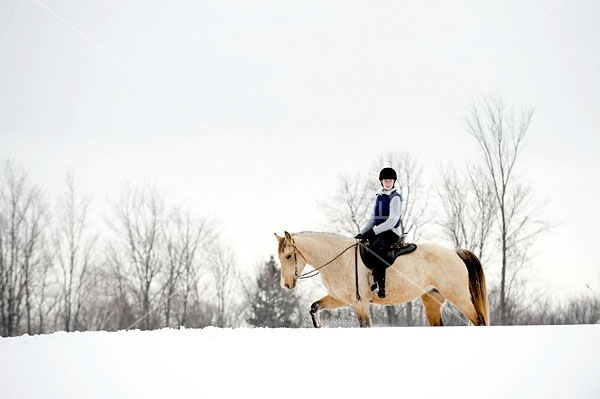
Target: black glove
(358, 236)
(369, 235)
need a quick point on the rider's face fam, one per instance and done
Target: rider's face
(387, 184)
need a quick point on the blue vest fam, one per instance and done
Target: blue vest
(382, 208)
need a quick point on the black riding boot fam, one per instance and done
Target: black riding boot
(379, 284)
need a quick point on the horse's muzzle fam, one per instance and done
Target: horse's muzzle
(288, 286)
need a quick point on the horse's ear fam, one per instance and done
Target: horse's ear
(278, 237)
(288, 237)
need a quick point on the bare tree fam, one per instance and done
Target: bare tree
(482, 212)
(469, 209)
(221, 267)
(173, 265)
(47, 301)
(20, 248)
(112, 307)
(195, 250)
(185, 246)
(73, 246)
(348, 208)
(140, 218)
(499, 131)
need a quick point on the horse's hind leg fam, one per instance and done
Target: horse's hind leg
(327, 302)
(462, 301)
(432, 302)
(465, 305)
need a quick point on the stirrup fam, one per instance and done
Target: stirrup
(375, 287)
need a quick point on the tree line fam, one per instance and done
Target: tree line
(157, 266)
(160, 265)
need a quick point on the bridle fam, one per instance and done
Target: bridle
(295, 254)
(315, 271)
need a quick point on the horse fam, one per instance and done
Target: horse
(432, 272)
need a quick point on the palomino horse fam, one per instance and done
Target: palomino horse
(432, 272)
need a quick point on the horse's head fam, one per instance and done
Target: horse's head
(291, 259)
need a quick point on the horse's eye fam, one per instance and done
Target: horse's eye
(288, 257)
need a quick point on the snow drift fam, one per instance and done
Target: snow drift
(467, 362)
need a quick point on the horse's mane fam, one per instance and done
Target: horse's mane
(322, 233)
(313, 233)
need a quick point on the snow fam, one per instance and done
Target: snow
(467, 362)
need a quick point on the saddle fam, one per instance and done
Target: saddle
(392, 252)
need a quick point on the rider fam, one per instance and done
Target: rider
(382, 230)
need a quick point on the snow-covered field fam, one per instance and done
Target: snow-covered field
(467, 362)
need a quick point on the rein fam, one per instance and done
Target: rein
(314, 272)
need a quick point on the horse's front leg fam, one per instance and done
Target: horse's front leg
(327, 302)
(362, 314)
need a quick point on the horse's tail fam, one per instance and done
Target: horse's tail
(477, 286)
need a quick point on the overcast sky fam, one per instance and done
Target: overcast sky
(249, 111)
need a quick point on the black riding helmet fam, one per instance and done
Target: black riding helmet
(388, 173)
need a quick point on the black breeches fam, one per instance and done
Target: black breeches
(380, 246)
